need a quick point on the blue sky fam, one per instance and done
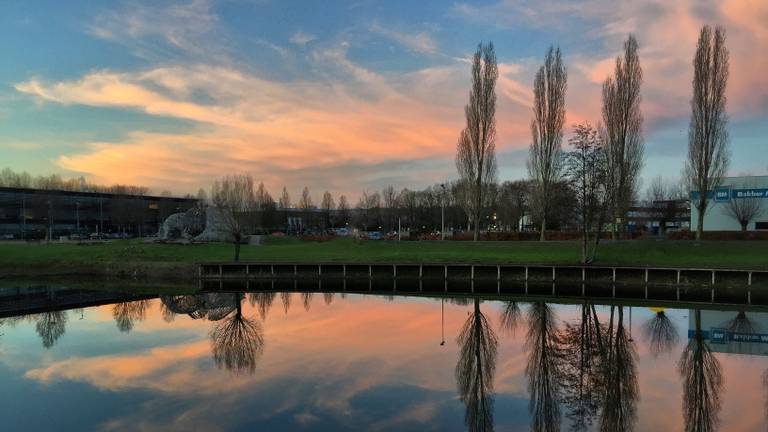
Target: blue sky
(338, 95)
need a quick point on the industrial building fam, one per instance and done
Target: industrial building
(734, 195)
(30, 214)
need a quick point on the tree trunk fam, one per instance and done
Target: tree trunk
(744, 226)
(700, 225)
(543, 235)
(476, 235)
(237, 248)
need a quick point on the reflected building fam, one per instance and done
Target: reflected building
(731, 332)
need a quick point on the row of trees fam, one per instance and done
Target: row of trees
(605, 163)
(586, 370)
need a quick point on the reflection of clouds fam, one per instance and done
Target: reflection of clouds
(348, 350)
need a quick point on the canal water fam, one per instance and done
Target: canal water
(77, 359)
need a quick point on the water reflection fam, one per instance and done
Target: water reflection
(582, 381)
(660, 333)
(475, 370)
(580, 365)
(51, 326)
(619, 410)
(128, 313)
(543, 369)
(702, 382)
(237, 341)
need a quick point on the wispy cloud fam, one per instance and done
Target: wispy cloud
(154, 31)
(421, 42)
(300, 38)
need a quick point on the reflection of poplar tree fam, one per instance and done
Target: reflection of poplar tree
(510, 316)
(51, 326)
(286, 298)
(543, 368)
(660, 334)
(702, 382)
(237, 342)
(620, 378)
(127, 313)
(475, 370)
(581, 379)
(306, 298)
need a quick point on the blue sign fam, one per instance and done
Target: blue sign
(727, 194)
(723, 336)
(722, 195)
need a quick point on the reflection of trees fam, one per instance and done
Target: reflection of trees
(510, 316)
(237, 341)
(328, 298)
(660, 334)
(264, 301)
(581, 379)
(306, 298)
(51, 326)
(740, 324)
(543, 368)
(475, 370)
(619, 409)
(702, 382)
(286, 298)
(127, 313)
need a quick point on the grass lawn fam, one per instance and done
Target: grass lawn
(726, 254)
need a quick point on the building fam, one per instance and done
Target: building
(743, 193)
(38, 214)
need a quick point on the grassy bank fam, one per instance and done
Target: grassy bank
(137, 259)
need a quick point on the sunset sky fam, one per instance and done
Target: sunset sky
(340, 95)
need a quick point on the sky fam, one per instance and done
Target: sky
(341, 95)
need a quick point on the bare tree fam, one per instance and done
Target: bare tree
(708, 154)
(476, 149)
(306, 200)
(544, 159)
(234, 199)
(389, 200)
(744, 208)
(285, 199)
(622, 131)
(327, 205)
(586, 170)
(343, 209)
(666, 202)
